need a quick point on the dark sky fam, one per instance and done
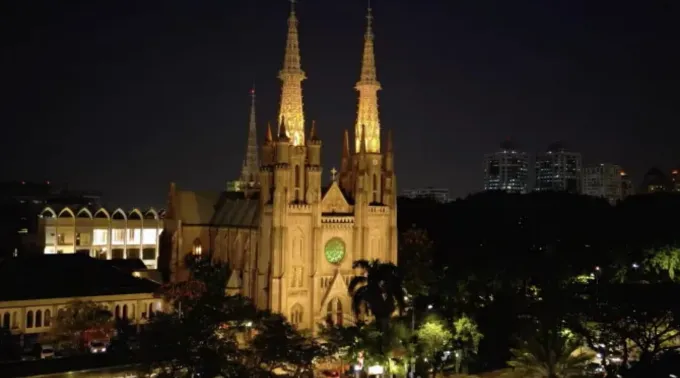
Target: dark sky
(126, 96)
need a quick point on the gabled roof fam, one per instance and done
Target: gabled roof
(65, 276)
(335, 201)
(220, 209)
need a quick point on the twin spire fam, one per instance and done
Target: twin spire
(291, 76)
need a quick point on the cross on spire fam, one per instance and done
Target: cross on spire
(334, 174)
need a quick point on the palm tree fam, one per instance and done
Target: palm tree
(549, 355)
(379, 290)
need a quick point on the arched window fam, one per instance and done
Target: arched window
(132, 312)
(38, 318)
(375, 188)
(125, 312)
(197, 248)
(47, 318)
(6, 320)
(29, 319)
(334, 313)
(117, 312)
(298, 180)
(296, 315)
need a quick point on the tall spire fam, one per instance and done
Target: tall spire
(251, 166)
(368, 87)
(291, 76)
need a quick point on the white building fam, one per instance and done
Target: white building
(440, 195)
(103, 234)
(559, 170)
(603, 180)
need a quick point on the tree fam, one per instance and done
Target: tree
(202, 338)
(466, 339)
(278, 345)
(416, 257)
(379, 289)
(434, 340)
(550, 353)
(78, 318)
(664, 260)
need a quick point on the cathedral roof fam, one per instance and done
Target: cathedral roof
(226, 209)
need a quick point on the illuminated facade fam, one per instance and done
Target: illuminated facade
(558, 169)
(291, 76)
(102, 234)
(604, 181)
(291, 246)
(507, 170)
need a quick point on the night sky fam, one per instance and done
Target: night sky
(126, 96)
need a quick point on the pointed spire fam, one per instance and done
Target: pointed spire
(390, 147)
(312, 132)
(345, 144)
(291, 76)
(368, 87)
(251, 165)
(283, 134)
(268, 138)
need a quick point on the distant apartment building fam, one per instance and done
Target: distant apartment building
(604, 181)
(656, 181)
(558, 169)
(507, 169)
(438, 194)
(627, 188)
(103, 234)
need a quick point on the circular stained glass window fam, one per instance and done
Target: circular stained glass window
(334, 251)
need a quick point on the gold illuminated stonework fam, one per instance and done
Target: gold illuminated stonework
(368, 87)
(291, 87)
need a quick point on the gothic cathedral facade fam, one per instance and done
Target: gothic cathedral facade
(290, 238)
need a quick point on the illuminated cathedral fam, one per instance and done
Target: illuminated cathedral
(290, 238)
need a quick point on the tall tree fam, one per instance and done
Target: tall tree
(77, 318)
(379, 290)
(416, 259)
(434, 340)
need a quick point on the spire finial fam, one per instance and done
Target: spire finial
(312, 132)
(269, 138)
(369, 19)
(334, 174)
(251, 164)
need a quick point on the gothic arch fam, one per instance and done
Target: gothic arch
(151, 214)
(100, 212)
(48, 211)
(119, 214)
(296, 314)
(86, 212)
(335, 312)
(135, 214)
(66, 211)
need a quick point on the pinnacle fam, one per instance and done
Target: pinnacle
(312, 132)
(283, 135)
(268, 138)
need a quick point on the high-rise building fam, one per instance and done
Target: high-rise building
(507, 169)
(656, 181)
(250, 171)
(604, 181)
(440, 195)
(291, 244)
(558, 169)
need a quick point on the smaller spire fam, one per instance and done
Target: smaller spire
(389, 142)
(345, 145)
(268, 138)
(369, 19)
(283, 135)
(312, 132)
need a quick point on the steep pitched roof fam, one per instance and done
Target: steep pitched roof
(65, 276)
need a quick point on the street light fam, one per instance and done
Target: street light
(430, 307)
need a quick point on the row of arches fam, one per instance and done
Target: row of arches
(126, 312)
(38, 319)
(118, 214)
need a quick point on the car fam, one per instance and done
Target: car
(97, 346)
(43, 352)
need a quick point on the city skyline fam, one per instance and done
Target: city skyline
(127, 105)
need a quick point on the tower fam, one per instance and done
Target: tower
(250, 177)
(368, 87)
(291, 76)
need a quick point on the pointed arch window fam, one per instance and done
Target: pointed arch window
(296, 315)
(197, 248)
(29, 319)
(38, 319)
(47, 318)
(375, 188)
(334, 313)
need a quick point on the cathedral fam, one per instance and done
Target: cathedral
(290, 238)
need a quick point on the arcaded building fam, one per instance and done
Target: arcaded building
(291, 238)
